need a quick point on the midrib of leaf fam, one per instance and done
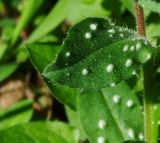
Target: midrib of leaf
(130, 34)
(87, 56)
(116, 122)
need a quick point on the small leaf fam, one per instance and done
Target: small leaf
(97, 54)
(6, 70)
(152, 5)
(40, 132)
(112, 114)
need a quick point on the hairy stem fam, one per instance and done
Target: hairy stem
(140, 19)
(151, 128)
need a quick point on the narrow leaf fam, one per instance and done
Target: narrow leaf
(63, 10)
(19, 113)
(55, 17)
(29, 12)
(6, 70)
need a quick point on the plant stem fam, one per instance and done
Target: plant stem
(140, 19)
(150, 125)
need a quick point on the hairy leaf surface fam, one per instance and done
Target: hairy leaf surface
(97, 54)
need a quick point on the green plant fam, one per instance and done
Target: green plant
(106, 76)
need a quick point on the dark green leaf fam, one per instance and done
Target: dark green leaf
(113, 114)
(42, 54)
(97, 54)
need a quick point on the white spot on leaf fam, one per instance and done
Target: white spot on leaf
(138, 46)
(141, 136)
(84, 72)
(132, 48)
(126, 47)
(101, 124)
(112, 84)
(116, 98)
(100, 140)
(129, 103)
(129, 62)
(131, 133)
(68, 54)
(88, 35)
(110, 68)
(111, 31)
(93, 26)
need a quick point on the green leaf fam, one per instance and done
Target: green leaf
(3, 48)
(19, 113)
(29, 12)
(153, 5)
(64, 10)
(40, 132)
(67, 132)
(6, 70)
(74, 121)
(43, 54)
(113, 114)
(128, 4)
(54, 18)
(134, 142)
(97, 54)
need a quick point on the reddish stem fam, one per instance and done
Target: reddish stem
(140, 19)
